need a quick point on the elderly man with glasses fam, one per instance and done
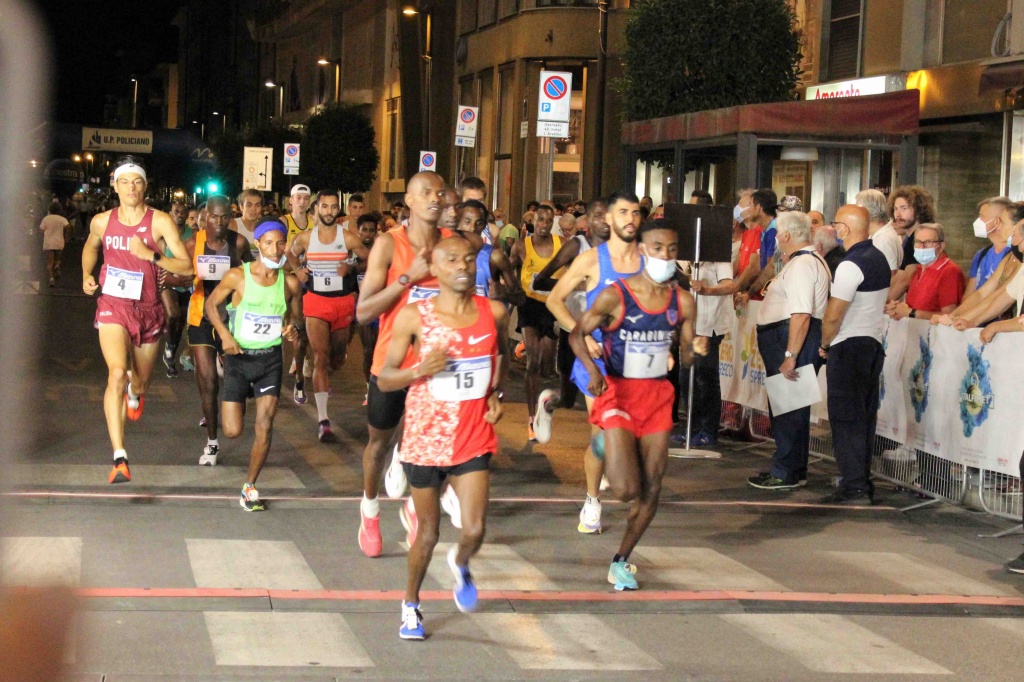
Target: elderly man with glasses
(937, 287)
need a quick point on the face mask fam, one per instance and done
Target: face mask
(499, 223)
(925, 256)
(737, 213)
(981, 229)
(274, 265)
(659, 270)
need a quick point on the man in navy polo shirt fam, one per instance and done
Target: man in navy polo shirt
(851, 341)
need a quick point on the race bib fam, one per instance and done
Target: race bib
(257, 327)
(328, 281)
(422, 293)
(646, 359)
(212, 268)
(123, 284)
(462, 379)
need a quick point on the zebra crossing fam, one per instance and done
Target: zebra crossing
(224, 637)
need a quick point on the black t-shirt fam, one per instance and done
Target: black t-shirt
(908, 252)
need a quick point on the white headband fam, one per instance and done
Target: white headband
(129, 168)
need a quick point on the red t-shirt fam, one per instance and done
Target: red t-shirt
(934, 287)
(750, 244)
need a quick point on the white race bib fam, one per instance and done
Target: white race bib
(646, 359)
(422, 294)
(123, 283)
(462, 379)
(212, 268)
(260, 327)
(328, 281)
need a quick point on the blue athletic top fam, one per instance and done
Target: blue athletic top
(483, 270)
(639, 346)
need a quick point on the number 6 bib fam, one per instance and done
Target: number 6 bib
(260, 327)
(462, 379)
(123, 284)
(328, 281)
(646, 359)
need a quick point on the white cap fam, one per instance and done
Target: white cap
(300, 189)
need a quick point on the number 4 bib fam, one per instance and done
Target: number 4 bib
(123, 284)
(462, 379)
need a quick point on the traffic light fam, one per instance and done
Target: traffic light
(212, 187)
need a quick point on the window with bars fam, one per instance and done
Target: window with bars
(843, 43)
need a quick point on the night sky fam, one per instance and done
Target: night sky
(97, 46)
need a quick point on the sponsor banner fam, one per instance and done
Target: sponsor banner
(116, 140)
(740, 366)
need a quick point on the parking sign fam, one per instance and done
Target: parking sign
(555, 96)
(428, 161)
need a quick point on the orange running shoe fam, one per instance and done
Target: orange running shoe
(520, 350)
(531, 436)
(135, 412)
(120, 473)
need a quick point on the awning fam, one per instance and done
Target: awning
(891, 114)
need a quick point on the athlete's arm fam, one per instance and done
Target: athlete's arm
(565, 255)
(518, 255)
(504, 276)
(606, 311)
(182, 280)
(164, 228)
(580, 270)
(242, 249)
(403, 333)
(293, 316)
(91, 251)
(494, 409)
(233, 279)
(688, 313)
(355, 248)
(294, 252)
(376, 298)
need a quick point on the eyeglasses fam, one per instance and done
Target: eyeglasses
(930, 242)
(835, 225)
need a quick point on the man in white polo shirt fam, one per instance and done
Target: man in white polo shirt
(711, 281)
(788, 337)
(851, 340)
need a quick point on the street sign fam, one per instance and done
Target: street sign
(428, 161)
(291, 158)
(461, 141)
(552, 129)
(555, 96)
(257, 168)
(465, 123)
(524, 129)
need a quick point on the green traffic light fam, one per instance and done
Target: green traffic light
(199, 190)
(212, 187)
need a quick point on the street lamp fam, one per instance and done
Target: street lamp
(76, 158)
(135, 101)
(322, 61)
(280, 97)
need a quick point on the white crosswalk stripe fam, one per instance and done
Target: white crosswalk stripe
(273, 565)
(696, 568)
(39, 561)
(284, 639)
(912, 574)
(563, 642)
(495, 567)
(154, 475)
(833, 644)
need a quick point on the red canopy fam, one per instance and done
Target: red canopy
(890, 114)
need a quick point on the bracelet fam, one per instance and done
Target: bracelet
(824, 348)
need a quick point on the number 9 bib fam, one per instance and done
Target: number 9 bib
(212, 268)
(646, 359)
(462, 379)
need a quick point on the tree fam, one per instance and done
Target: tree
(339, 149)
(229, 149)
(692, 55)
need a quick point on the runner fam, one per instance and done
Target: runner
(474, 189)
(251, 203)
(448, 209)
(494, 271)
(638, 316)
(446, 350)
(329, 305)
(174, 293)
(367, 230)
(129, 315)
(356, 208)
(529, 256)
(214, 250)
(298, 221)
(397, 273)
(264, 305)
(595, 270)
(192, 218)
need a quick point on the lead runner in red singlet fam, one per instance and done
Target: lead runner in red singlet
(453, 372)
(129, 314)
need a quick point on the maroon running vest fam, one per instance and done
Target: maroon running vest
(117, 255)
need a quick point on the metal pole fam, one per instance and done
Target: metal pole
(599, 85)
(689, 399)
(135, 102)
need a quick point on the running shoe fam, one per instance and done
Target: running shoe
(395, 481)
(1016, 566)
(120, 473)
(250, 500)
(590, 518)
(299, 393)
(369, 535)
(187, 364)
(604, 485)
(409, 520)
(202, 422)
(546, 402)
(324, 433)
(134, 407)
(765, 481)
(412, 623)
(620, 574)
(450, 505)
(209, 457)
(464, 590)
(520, 350)
(171, 365)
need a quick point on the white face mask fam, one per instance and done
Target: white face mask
(981, 228)
(658, 269)
(737, 213)
(499, 223)
(274, 265)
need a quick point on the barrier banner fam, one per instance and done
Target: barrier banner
(740, 367)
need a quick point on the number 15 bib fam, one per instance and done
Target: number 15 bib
(462, 379)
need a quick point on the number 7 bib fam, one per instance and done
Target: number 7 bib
(646, 359)
(462, 379)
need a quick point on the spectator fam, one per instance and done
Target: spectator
(648, 203)
(579, 209)
(937, 286)
(883, 236)
(826, 241)
(397, 208)
(566, 226)
(817, 220)
(645, 214)
(792, 203)
(532, 206)
(909, 207)
(788, 337)
(701, 197)
(764, 208)
(851, 340)
(989, 224)
(582, 226)
(473, 188)
(658, 213)
(507, 236)
(54, 228)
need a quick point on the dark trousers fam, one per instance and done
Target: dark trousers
(564, 360)
(854, 368)
(678, 377)
(792, 431)
(707, 390)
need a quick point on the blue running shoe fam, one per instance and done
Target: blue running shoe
(620, 574)
(412, 623)
(464, 589)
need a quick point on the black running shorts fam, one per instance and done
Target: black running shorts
(432, 477)
(256, 372)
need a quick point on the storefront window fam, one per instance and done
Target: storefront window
(502, 184)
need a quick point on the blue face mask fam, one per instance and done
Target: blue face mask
(925, 256)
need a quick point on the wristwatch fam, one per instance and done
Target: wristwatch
(787, 355)
(157, 256)
(913, 313)
(404, 281)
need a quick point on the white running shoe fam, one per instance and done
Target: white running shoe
(209, 458)
(450, 505)
(604, 485)
(395, 481)
(590, 517)
(542, 419)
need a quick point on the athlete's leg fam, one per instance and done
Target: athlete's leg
(428, 508)
(622, 464)
(373, 459)
(143, 359)
(654, 456)
(169, 299)
(368, 335)
(592, 466)
(534, 354)
(208, 384)
(232, 418)
(319, 333)
(339, 347)
(474, 492)
(266, 409)
(115, 344)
